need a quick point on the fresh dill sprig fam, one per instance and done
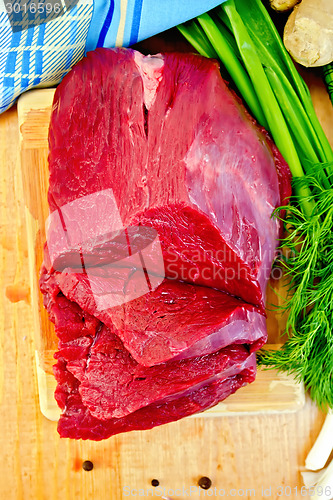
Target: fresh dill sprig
(308, 261)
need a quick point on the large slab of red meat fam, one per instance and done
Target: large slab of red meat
(180, 154)
(160, 240)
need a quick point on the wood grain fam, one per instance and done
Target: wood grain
(239, 452)
(33, 140)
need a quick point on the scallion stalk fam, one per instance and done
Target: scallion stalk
(234, 67)
(197, 37)
(328, 79)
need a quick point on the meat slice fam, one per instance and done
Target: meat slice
(71, 321)
(176, 320)
(180, 155)
(76, 421)
(112, 384)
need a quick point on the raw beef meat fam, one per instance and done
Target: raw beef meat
(111, 384)
(180, 155)
(175, 319)
(115, 385)
(77, 422)
(160, 240)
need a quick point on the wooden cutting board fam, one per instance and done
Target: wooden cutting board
(271, 392)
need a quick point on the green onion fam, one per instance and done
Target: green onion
(198, 39)
(273, 54)
(328, 78)
(234, 67)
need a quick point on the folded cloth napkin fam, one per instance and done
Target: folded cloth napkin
(40, 40)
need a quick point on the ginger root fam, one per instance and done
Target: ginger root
(283, 5)
(308, 34)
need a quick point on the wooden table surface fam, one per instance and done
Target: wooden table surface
(240, 454)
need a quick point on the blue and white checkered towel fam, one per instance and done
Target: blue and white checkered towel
(40, 40)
